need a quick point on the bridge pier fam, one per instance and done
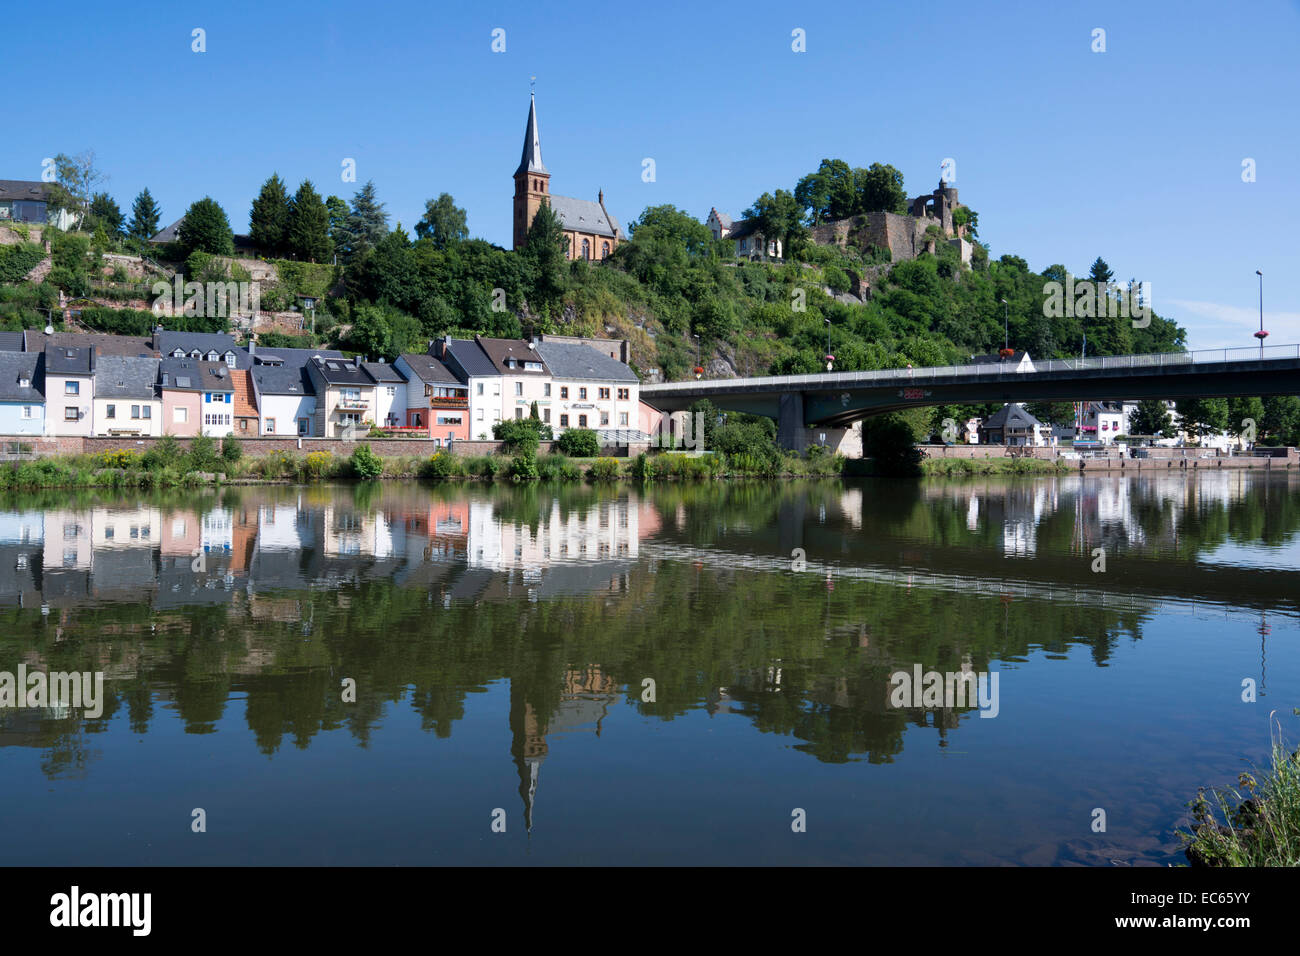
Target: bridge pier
(790, 422)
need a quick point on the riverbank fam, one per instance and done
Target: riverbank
(1258, 825)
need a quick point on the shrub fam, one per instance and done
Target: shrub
(520, 435)
(442, 465)
(119, 459)
(523, 467)
(579, 443)
(365, 464)
(483, 466)
(603, 469)
(277, 464)
(641, 469)
(231, 450)
(165, 453)
(203, 453)
(318, 464)
(889, 440)
(558, 468)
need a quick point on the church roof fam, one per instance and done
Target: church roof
(1011, 417)
(583, 215)
(531, 161)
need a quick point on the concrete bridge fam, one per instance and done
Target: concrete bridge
(838, 399)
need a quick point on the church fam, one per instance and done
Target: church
(590, 232)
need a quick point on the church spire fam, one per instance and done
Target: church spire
(531, 162)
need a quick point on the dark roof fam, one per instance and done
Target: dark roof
(498, 350)
(170, 233)
(122, 376)
(993, 358)
(340, 371)
(24, 189)
(531, 160)
(428, 369)
(69, 360)
(472, 359)
(15, 366)
(1010, 416)
(292, 358)
(383, 372)
(130, 345)
(11, 341)
(195, 376)
(584, 215)
(742, 228)
(203, 341)
(282, 380)
(570, 360)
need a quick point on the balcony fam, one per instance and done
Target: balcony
(448, 401)
(353, 404)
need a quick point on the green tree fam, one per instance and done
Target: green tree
(443, 222)
(371, 332)
(337, 210)
(1245, 415)
(268, 222)
(144, 217)
(667, 223)
(1100, 272)
(1281, 421)
(367, 223)
(206, 229)
(105, 212)
(829, 193)
(309, 225)
(579, 443)
(880, 189)
(1151, 418)
(1203, 416)
(74, 186)
(544, 258)
(779, 216)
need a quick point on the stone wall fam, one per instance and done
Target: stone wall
(44, 446)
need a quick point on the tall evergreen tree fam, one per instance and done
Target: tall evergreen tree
(144, 217)
(1100, 271)
(544, 256)
(366, 225)
(309, 225)
(206, 229)
(268, 223)
(104, 211)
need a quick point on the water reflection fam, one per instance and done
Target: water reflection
(245, 608)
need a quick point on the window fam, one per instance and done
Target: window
(479, 416)
(480, 388)
(109, 532)
(392, 391)
(586, 249)
(519, 413)
(519, 388)
(71, 415)
(230, 359)
(24, 382)
(180, 415)
(449, 419)
(27, 411)
(148, 412)
(546, 390)
(270, 426)
(564, 391)
(604, 250)
(135, 411)
(212, 355)
(564, 421)
(604, 393)
(623, 394)
(71, 388)
(604, 418)
(243, 424)
(304, 426)
(110, 411)
(532, 366)
(582, 394)
(622, 419)
(582, 421)
(546, 415)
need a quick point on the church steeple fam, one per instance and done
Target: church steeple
(531, 161)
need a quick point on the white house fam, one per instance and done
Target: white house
(390, 393)
(69, 390)
(466, 360)
(286, 404)
(591, 389)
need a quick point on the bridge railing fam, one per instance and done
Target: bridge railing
(906, 376)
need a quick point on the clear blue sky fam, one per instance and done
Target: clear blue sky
(1133, 154)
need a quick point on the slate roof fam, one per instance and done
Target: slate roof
(341, 372)
(170, 233)
(428, 369)
(69, 360)
(498, 350)
(570, 360)
(1010, 417)
(531, 159)
(282, 380)
(104, 344)
(24, 189)
(195, 376)
(122, 376)
(584, 215)
(292, 358)
(383, 372)
(203, 341)
(11, 341)
(16, 365)
(472, 359)
(742, 228)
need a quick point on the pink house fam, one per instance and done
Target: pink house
(181, 399)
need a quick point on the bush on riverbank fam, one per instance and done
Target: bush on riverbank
(960, 467)
(1260, 827)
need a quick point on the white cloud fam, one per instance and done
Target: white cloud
(1218, 326)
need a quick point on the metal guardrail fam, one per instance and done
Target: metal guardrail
(924, 375)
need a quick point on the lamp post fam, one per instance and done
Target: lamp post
(1261, 334)
(830, 359)
(698, 367)
(1006, 325)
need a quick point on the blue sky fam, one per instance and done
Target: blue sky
(1134, 154)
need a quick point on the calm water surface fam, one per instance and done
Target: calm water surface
(636, 676)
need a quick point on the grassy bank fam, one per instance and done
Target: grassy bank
(167, 465)
(958, 467)
(1258, 825)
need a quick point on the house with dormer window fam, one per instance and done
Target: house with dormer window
(22, 403)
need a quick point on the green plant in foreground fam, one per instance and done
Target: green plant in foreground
(365, 464)
(1260, 827)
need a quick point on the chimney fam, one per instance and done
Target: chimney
(358, 361)
(157, 337)
(252, 346)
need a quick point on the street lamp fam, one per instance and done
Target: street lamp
(1261, 334)
(830, 359)
(699, 369)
